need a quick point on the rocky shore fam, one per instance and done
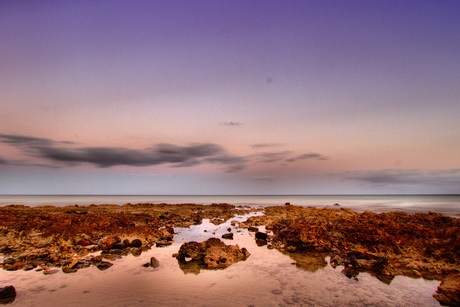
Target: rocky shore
(382, 244)
(385, 245)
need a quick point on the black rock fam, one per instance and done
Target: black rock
(253, 229)
(7, 294)
(136, 243)
(228, 236)
(261, 235)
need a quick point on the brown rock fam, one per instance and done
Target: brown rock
(448, 292)
(211, 254)
(228, 236)
(104, 265)
(109, 242)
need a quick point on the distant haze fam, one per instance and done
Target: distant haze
(229, 97)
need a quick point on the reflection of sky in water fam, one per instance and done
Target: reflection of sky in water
(266, 278)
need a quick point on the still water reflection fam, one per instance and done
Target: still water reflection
(266, 278)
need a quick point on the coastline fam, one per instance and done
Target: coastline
(60, 236)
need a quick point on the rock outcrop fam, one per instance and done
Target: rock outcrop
(210, 254)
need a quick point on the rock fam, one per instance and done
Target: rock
(287, 203)
(261, 235)
(448, 292)
(108, 243)
(29, 267)
(104, 265)
(261, 242)
(228, 236)
(163, 243)
(136, 243)
(9, 261)
(229, 229)
(118, 245)
(253, 229)
(7, 294)
(50, 271)
(336, 261)
(210, 254)
(83, 242)
(350, 272)
(154, 263)
(127, 243)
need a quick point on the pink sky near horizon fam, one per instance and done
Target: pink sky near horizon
(288, 97)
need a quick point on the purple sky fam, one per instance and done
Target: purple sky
(229, 97)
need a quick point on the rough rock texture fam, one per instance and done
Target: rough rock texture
(384, 244)
(448, 292)
(50, 236)
(210, 254)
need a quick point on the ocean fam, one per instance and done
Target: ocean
(448, 205)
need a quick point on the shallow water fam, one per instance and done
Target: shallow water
(266, 278)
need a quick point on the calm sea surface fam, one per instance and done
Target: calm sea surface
(445, 204)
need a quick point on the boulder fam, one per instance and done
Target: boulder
(253, 229)
(7, 294)
(211, 254)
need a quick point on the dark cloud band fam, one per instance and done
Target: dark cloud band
(164, 153)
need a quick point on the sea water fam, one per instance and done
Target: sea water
(448, 205)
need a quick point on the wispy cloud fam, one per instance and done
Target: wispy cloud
(266, 145)
(407, 177)
(163, 153)
(269, 157)
(307, 156)
(232, 124)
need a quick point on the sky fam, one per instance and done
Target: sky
(229, 97)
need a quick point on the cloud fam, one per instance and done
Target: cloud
(232, 124)
(163, 153)
(266, 145)
(269, 157)
(307, 156)
(407, 177)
